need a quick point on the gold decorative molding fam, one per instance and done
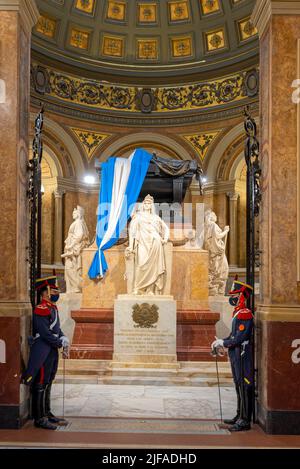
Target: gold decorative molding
(264, 9)
(95, 94)
(27, 9)
(90, 141)
(201, 142)
(278, 313)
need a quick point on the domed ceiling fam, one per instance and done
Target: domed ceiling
(147, 38)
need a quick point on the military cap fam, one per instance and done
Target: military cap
(240, 287)
(46, 282)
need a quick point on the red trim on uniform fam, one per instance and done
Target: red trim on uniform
(245, 314)
(42, 311)
(42, 375)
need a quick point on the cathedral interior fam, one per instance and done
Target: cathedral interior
(176, 78)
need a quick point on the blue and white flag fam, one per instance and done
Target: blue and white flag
(121, 183)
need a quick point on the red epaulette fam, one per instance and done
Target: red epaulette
(244, 314)
(42, 310)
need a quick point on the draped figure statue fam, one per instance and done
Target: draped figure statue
(148, 234)
(215, 243)
(77, 240)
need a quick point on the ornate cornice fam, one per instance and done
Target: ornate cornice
(170, 120)
(27, 9)
(211, 188)
(278, 313)
(264, 9)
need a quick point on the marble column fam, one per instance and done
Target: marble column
(278, 315)
(233, 224)
(58, 225)
(16, 20)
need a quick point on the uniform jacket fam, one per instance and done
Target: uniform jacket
(239, 344)
(46, 336)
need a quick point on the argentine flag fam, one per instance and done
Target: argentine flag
(121, 183)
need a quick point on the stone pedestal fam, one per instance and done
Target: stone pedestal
(219, 304)
(68, 302)
(93, 336)
(144, 331)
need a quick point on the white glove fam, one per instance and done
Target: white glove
(65, 341)
(217, 343)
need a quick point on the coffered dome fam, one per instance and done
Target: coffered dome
(147, 38)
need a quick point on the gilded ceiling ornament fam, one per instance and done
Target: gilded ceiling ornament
(46, 26)
(182, 47)
(147, 12)
(210, 6)
(87, 6)
(178, 10)
(116, 10)
(202, 142)
(215, 40)
(89, 140)
(147, 49)
(246, 29)
(113, 46)
(79, 39)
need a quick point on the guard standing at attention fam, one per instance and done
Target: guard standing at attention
(240, 351)
(47, 338)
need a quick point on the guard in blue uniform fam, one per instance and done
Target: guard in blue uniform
(240, 351)
(47, 338)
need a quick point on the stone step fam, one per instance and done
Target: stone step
(188, 374)
(144, 381)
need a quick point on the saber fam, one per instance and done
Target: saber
(215, 352)
(219, 389)
(64, 375)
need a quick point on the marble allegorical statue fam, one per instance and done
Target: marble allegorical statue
(148, 235)
(77, 240)
(215, 243)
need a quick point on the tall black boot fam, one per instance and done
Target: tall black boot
(38, 408)
(244, 422)
(238, 409)
(48, 413)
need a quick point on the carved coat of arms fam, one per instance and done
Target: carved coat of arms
(145, 315)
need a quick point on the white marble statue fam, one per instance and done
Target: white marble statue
(148, 237)
(215, 243)
(77, 240)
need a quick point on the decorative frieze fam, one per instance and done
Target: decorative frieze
(95, 94)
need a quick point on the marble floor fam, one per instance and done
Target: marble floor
(96, 400)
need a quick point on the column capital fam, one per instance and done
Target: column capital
(233, 196)
(27, 9)
(59, 192)
(264, 9)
